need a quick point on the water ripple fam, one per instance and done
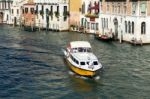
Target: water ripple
(32, 67)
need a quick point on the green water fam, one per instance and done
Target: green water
(32, 67)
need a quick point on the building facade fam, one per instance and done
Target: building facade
(52, 14)
(89, 19)
(75, 11)
(5, 10)
(127, 20)
(16, 12)
(28, 15)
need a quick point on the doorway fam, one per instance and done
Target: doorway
(1, 17)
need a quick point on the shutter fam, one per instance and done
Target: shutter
(143, 8)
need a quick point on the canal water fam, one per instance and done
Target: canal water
(32, 67)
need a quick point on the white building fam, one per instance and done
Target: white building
(5, 10)
(90, 16)
(52, 14)
(16, 12)
(128, 20)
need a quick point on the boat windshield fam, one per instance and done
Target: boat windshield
(89, 50)
(80, 49)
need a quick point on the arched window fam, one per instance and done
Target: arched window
(83, 8)
(89, 8)
(126, 26)
(132, 27)
(107, 23)
(47, 11)
(129, 27)
(143, 28)
(104, 23)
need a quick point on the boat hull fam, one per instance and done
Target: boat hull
(80, 71)
(103, 38)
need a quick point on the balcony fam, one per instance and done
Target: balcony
(91, 15)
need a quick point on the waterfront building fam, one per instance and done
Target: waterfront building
(5, 10)
(16, 12)
(128, 20)
(52, 14)
(89, 19)
(75, 11)
(28, 15)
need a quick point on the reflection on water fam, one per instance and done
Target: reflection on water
(32, 67)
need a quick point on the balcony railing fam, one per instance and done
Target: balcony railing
(90, 15)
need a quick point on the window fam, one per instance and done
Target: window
(126, 26)
(77, 62)
(52, 8)
(57, 8)
(101, 6)
(42, 8)
(85, 24)
(26, 10)
(81, 49)
(132, 27)
(92, 26)
(47, 11)
(96, 26)
(95, 63)
(36, 7)
(107, 23)
(129, 27)
(51, 12)
(65, 8)
(113, 7)
(32, 10)
(143, 28)
(12, 11)
(82, 22)
(104, 23)
(5, 4)
(83, 8)
(17, 11)
(82, 63)
(7, 17)
(88, 25)
(107, 7)
(119, 9)
(89, 50)
(22, 11)
(89, 8)
(143, 8)
(134, 6)
(125, 8)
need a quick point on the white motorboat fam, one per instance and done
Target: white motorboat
(80, 58)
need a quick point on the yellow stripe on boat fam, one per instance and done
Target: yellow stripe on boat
(80, 71)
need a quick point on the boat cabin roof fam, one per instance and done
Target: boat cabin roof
(77, 44)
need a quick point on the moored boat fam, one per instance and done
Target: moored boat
(81, 60)
(103, 37)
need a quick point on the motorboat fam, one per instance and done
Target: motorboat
(80, 58)
(103, 37)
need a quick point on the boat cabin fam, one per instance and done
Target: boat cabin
(79, 46)
(84, 62)
(81, 53)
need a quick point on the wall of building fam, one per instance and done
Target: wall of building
(122, 15)
(74, 8)
(4, 8)
(54, 23)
